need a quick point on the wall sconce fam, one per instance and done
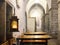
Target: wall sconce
(14, 24)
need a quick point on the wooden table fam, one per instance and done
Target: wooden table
(32, 39)
(35, 33)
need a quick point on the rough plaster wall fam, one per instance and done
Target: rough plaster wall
(20, 13)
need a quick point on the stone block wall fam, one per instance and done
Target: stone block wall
(53, 18)
(58, 22)
(47, 22)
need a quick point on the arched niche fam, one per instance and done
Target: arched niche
(37, 11)
(29, 4)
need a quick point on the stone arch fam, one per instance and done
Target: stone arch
(41, 7)
(37, 4)
(29, 4)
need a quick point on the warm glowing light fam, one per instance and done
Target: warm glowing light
(14, 25)
(36, 36)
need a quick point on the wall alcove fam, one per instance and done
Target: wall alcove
(36, 11)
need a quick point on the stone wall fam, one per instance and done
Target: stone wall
(47, 22)
(59, 22)
(2, 22)
(53, 19)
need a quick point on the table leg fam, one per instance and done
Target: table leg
(46, 42)
(17, 42)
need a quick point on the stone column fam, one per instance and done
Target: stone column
(53, 18)
(47, 22)
(58, 22)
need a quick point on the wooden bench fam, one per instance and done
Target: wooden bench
(33, 38)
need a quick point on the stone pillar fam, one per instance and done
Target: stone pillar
(53, 18)
(47, 22)
(58, 22)
(43, 23)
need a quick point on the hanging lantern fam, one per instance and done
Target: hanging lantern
(14, 24)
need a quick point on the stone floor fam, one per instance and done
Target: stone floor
(52, 42)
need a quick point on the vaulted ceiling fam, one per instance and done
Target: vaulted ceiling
(29, 4)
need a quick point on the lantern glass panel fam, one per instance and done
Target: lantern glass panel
(14, 25)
